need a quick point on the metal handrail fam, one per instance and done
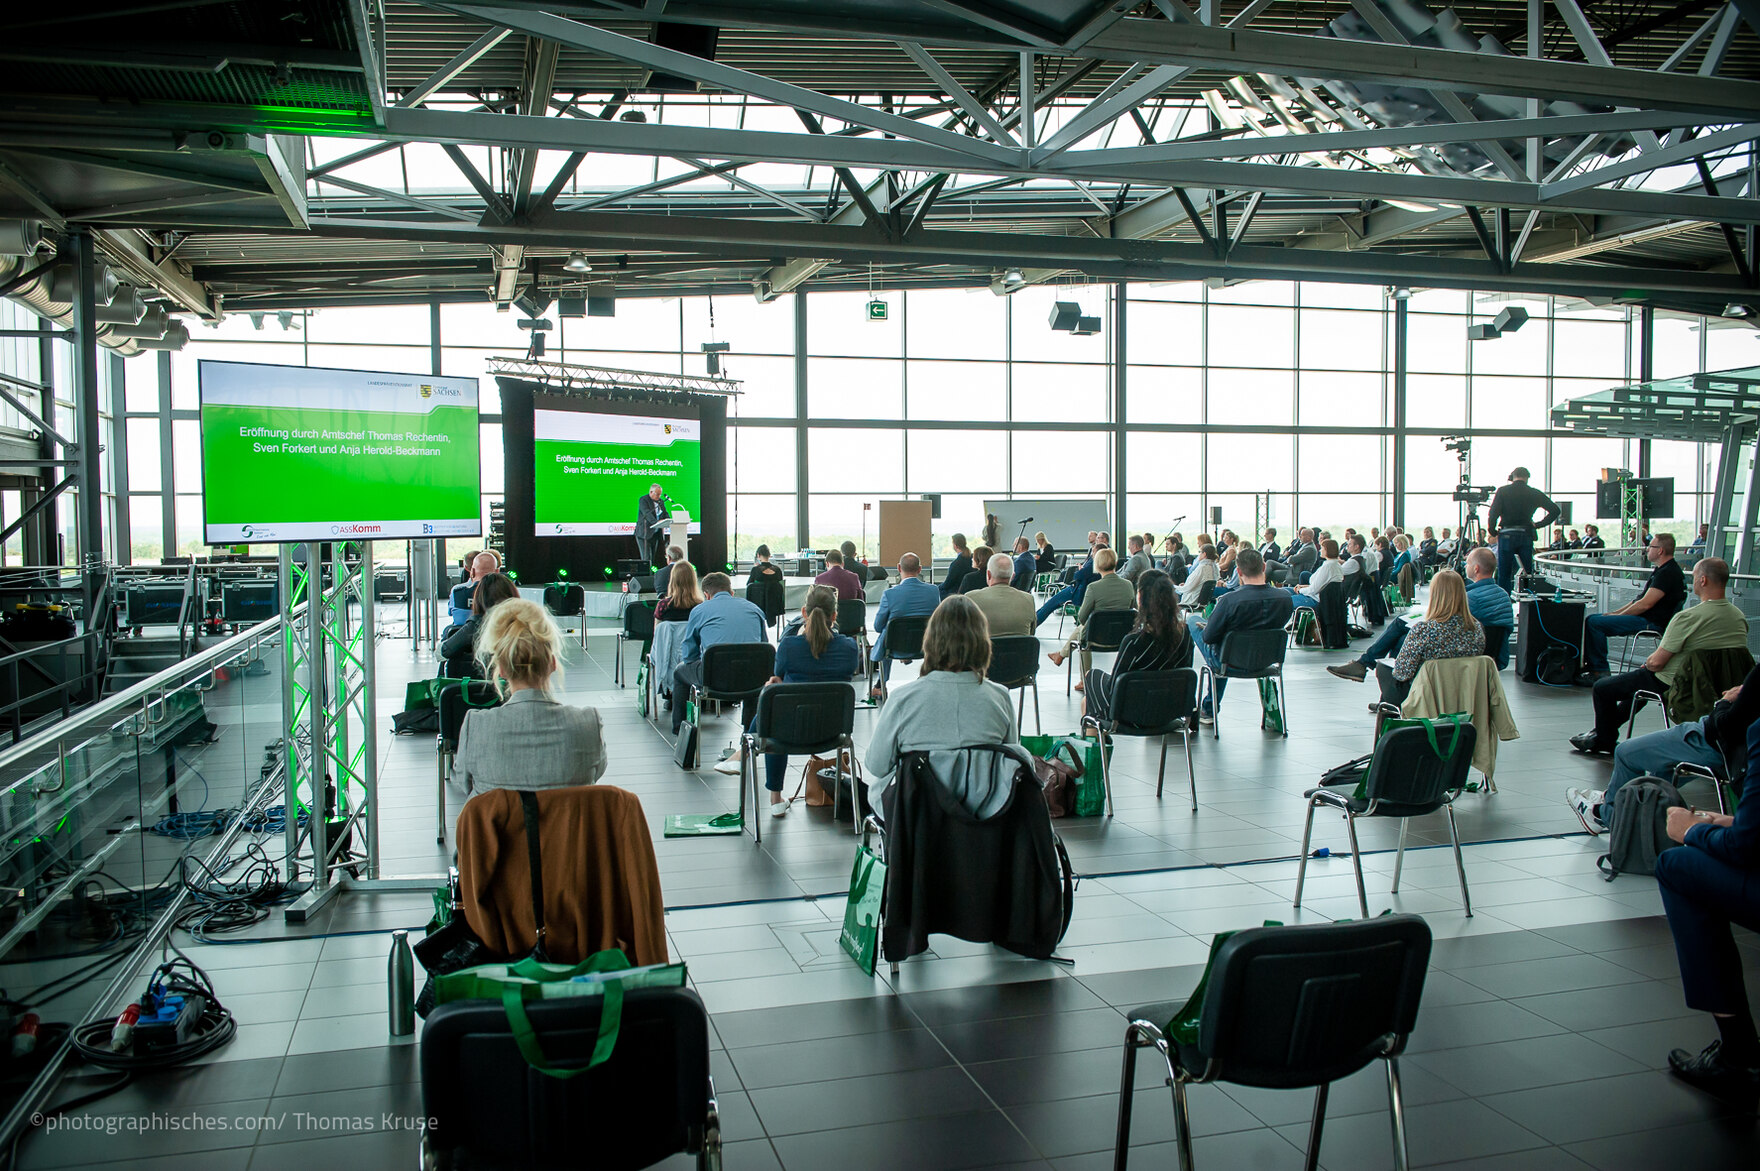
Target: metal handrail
(136, 701)
(1591, 560)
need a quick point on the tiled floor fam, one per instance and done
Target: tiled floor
(1546, 1016)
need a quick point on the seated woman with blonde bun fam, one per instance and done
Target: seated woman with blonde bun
(532, 740)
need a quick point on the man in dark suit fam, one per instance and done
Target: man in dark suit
(650, 537)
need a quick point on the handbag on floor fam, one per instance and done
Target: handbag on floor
(860, 938)
(1083, 756)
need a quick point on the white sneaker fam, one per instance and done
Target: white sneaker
(730, 766)
(1583, 803)
(779, 809)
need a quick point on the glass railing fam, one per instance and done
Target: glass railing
(98, 814)
(1612, 577)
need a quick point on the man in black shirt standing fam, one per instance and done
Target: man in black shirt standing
(1512, 519)
(1664, 594)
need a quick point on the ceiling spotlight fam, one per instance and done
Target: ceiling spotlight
(1737, 309)
(632, 116)
(1013, 278)
(577, 262)
(1401, 294)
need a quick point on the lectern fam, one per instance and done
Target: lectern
(678, 530)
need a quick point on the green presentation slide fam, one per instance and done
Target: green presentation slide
(590, 470)
(294, 453)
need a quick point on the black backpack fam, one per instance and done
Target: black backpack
(1638, 829)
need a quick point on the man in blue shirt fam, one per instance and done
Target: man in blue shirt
(912, 596)
(1026, 566)
(722, 618)
(458, 603)
(1252, 605)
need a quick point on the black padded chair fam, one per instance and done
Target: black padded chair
(564, 599)
(1406, 779)
(454, 704)
(1247, 654)
(904, 640)
(484, 1107)
(769, 594)
(1206, 595)
(1149, 703)
(733, 672)
(1289, 1008)
(638, 626)
(1014, 663)
(852, 619)
(1334, 617)
(798, 719)
(1497, 645)
(1103, 634)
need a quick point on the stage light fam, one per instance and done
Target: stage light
(577, 262)
(1738, 310)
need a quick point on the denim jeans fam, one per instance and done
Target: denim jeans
(1066, 594)
(1386, 643)
(1597, 629)
(1195, 624)
(1513, 545)
(1302, 599)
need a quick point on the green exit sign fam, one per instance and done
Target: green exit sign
(876, 311)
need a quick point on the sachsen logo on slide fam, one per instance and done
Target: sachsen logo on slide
(427, 390)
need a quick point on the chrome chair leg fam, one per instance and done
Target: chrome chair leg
(1105, 772)
(747, 764)
(1397, 1108)
(1185, 735)
(1302, 864)
(1399, 855)
(1459, 865)
(1121, 1143)
(1038, 726)
(440, 791)
(1161, 773)
(1311, 1162)
(1182, 1125)
(1350, 823)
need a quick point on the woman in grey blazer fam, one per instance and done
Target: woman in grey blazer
(532, 740)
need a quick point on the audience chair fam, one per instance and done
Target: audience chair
(1247, 654)
(904, 641)
(1067, 610)
(1014, 663)
(1334, 617)
(1103, 635)
(1206, 595)
(483, 1106)
(797, 719)
(1149, 703)
(454, 705)
(638, 626)
(1497, 645)
(733, 672)
(1405, 780)
(852, 619)
(568, 599)
(1044, 583)
(1719, 777)
(1289, 1008)
(769, 595)
(1629, 649)
(1646, 696)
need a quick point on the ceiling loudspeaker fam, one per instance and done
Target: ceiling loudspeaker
(699, 40)
(1065, 315)
(1086, 326)
(1483, 332)
(1511, 319)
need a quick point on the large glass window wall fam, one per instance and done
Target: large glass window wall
(1273, 401)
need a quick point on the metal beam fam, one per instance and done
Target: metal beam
(1107, 107)
(126, 251)
(400, 199)
(598, 40)
(1101, 258)
(961, 96)
(1252, 51)
(461, 61)
(282, 164)
(491, 198)
(1652, 160)
(537, 84)
(893, 154)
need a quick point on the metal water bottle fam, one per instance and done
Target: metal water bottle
(400, 984)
